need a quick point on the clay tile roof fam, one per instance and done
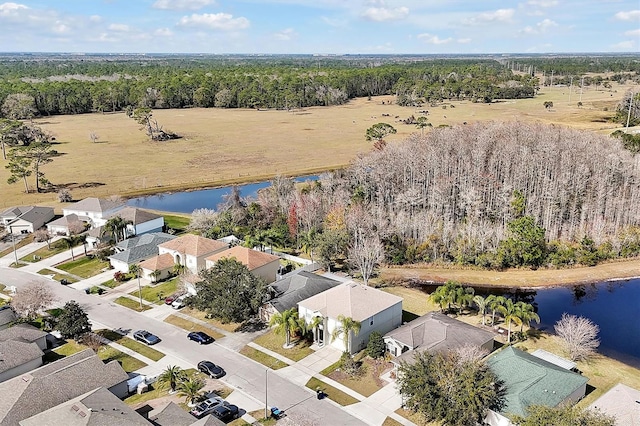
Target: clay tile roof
(158, 263)
(252, 259)
(194, 245)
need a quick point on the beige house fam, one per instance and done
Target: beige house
(162, 263)
(260, 264)
(376, 310)
(191, 250)
(65, 224)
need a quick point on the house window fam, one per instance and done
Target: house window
(371, 321)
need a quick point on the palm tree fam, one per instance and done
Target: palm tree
(493, 303)
(527, 314)
(313, 325)
(135, 269)
(511, 313)
(178, 268)
(285, 322)
(171, 376)
(346, 326)
(442, 297)
(462, 296)
(481, 303)
(190, 389)
(70, 242)
(155, 275)
(82, 239)
(307, 242)
(117, 226)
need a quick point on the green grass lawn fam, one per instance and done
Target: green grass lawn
(230, 327)
(331, 392)
(152, 293)
(26, 240)
(157, 390)
(131, 304)
(105, 353)
(274, 342)
(262, 358)
(57, 275)
(112, 283)
(45, 252)
(84, 267)
(179, 223)
(134, 345)
(187, 325)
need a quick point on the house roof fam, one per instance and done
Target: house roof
(530, 380)
(621, 402)
(172, 415)
(98, 407)
(554, 359)
(65, 220)
(141, 248)
(96, 205)
(150, 238)
(252, 259)
(52, 384)
(36, 214)
(158, 263)
(194, 245)
(297, 287)
(14, 353)
(135, 215)
(15, 211)
(436, 332)
(21, 332)
(351, 300)
(7, 315)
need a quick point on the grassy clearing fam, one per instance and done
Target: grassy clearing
(157, 293)
(156, 391)
(57, 247)
(262, 358)
(105, 353)
(131, 304)
(327, 137)
(190, 326)
(274, 342)
(57, 275)
(176, 222)
(84, 267)
(134, 345)
(331, 392)
(23, 242)
(202, 316)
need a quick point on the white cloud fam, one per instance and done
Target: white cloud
(631, 15)
(119, 28)
(542, 3)
(540, 28)
(95, 18)
(464, 40)
(632, 33)
(624, 45)
(163, 32)
(285, 35)
(433, 39)
(60, 28)
(215, 21)
(182, 4)
(10, 9)
(500, 15)
(379, 12)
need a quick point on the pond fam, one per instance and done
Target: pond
(614, 306)
(188, 201)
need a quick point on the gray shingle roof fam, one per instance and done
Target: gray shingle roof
(95, 408)
(171, 415)
(140, 248)
(13, 212)
(621, 402)
(21, 332)
(7, 315)
(297, 287)
(14, 353)
(65, 220)
(41, 389)
(36, 214)
(92, 204)
(135, 215)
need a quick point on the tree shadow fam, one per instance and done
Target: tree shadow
(535, 334)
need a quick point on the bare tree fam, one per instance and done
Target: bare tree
(202, 220)
(366, 253)
(33, 299)
(579, 336)
(469, 353)
(76, 227)
(42, 235)
(92, 340)
(64, 196)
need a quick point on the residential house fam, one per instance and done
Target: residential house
(53, 384)
(172, 415)
(26, 219)
(7, 316)
(21, 350)
(191, 250)
(621, 402)
(162, 263)
(138, 221)
(95, 211)
(376, 310)
(530, 380)
(436, 333)
(25, 333)
(261, 264)
(285, 293)
(137, 249)
(65, 224)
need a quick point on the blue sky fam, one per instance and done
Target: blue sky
(320, 26)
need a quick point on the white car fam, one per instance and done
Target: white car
(179, 302)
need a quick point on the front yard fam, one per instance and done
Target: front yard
(331, 392)
(275, 342)
(134, 345)
(262, 358)
(190, 326)
(157, 293)
(231, 327)
(84, 266)
(57, 276)
(131, 304)
(57, 247)
(367, 382)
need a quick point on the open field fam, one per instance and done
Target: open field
(221, 146)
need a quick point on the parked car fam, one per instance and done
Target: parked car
(200, 337)
(169, 299)
(206, 407)
(226, 412)
(178, 302)
(210, 369)
(145, 337)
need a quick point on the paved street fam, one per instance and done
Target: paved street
(242, 373)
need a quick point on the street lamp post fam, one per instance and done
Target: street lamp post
(266, 393)
(13, 241)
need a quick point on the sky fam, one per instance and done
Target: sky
(320, 26)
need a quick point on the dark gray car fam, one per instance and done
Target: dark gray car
(145, 337)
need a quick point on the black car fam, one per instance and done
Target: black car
(210, 369)
(226, 412)
(200, 337)
(146, 337)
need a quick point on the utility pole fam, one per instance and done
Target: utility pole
(13, 241)
(581, 84)
(552, 78)
(570, 86)
(628, 118)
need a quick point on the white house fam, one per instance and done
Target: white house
(141, 221)
(260, 264)
(64, 225)
(191, 250)
(93, 210)
(376, 310)
(162, 263)
(26, 219)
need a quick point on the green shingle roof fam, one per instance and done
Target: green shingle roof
(530, 380)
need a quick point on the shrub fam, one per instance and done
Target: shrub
(349, 365)
(64, 196)
(120, 277)
(376, 347)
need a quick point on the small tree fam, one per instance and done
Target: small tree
(563, 415)
(64, 196)
(73, 321)
(548, 105)
(376, 347)
(42, 235)
(93, 136)
(378, 132)
(285, 323)
(190, 389)
(346, 326)
(171, 376)
(366, 253)
(481, 303)
(92, 340)
(579, 336)
(34, 298)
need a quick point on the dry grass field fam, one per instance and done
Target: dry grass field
(221, 146)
